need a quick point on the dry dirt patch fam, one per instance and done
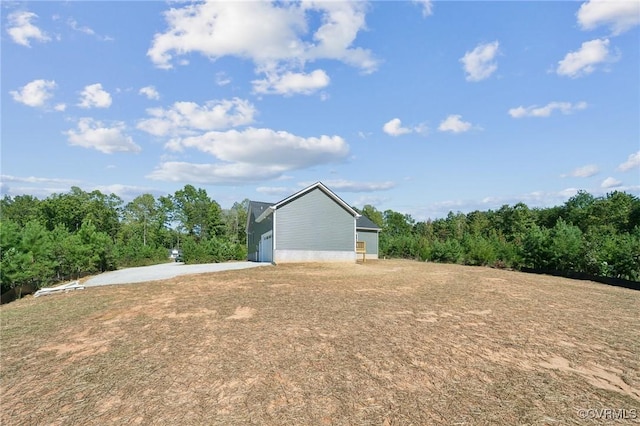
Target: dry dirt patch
(387, 342)
(242, 312)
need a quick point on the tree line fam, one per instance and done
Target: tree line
(593, 235)
(73, 234)
(70, 235)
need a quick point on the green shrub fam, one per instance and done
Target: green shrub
(449, 251)
(479, 251)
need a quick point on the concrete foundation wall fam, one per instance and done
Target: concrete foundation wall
(288, 256)
(369, 257)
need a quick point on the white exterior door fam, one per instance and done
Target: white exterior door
(266, 247)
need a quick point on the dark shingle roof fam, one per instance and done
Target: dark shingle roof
(364, 222)
(254, 210)
(258, 207)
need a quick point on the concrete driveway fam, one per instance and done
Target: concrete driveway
(163, 271)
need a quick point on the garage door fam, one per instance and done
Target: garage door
(266, 247)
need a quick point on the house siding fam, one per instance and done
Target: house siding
(371, 240)
(314, 222)
(255, 233)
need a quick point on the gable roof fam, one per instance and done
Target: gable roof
(257, 208)
(364, 222)
(317, 185)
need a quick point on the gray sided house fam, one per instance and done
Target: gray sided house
(312, 225)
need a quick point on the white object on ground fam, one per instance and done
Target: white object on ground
(75, 285)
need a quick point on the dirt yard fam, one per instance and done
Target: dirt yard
(384, 343)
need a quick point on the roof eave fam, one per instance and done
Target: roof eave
(265, 213)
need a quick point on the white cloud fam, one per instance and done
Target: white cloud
(94, 96)
(220, 173)
(394, 127)
(440, 209)
(274, 190)
(268, 147)
(150, 92)
(21, 30)
(291, 83)
(480, 63)
(567, 192)
(37, 180)
(277, 36)
(250, 155)
(73, 24)
(43, 187)
(454, 124)
(38, 191)
(584, 171)
(545, 111)
(60, 107)
(341, 23)
(35, 93)
(355, 186)
(94, 134)
(619, 16)
(183, 118)
(632, 162)
(372, 200)
(222, 79)
(421, 129)
(127, 192)
(610, 183)
(76, 27)
(427, 7)
(258, 31)
(584, 61)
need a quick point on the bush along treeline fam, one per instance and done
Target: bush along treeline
(70, 235)
(598, 236)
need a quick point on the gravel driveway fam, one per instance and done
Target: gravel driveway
(163, 271)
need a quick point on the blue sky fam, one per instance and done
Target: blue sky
(420, 107)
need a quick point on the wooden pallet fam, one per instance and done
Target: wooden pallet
(361, 248)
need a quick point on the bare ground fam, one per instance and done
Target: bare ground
(388, 342)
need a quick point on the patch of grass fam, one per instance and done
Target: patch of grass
(387, 342)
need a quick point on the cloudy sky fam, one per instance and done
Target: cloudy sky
(421, 107)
